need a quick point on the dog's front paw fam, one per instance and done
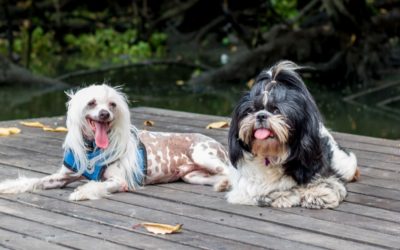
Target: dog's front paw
(321, 200)
(285, 199)
(77, 195)
(263, 201)
(90, 191)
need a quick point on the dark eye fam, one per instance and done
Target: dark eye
(113, 104)
(275, 111)
(92, 103)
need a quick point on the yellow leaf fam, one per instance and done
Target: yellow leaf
(48, 129)
(4, 132)
(33, 124)
(58, 129)
(157, 228)
(61, 129)
(222, 124)
(9, 131)
(14, 130)
(148, 123)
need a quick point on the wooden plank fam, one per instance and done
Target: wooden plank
(371, 201)
(95, 213)
(377, 213)
(259, 232)
(54, 235)
(94, 229)
(12, 240)
(276, 216)
(380, 192)
(354, 219)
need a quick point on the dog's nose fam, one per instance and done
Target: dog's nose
(262, 115)
(104, 115)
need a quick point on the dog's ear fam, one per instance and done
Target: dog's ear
(306, 157)
(70, 93)
(236, 146)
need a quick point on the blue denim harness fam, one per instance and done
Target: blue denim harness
(100, 167)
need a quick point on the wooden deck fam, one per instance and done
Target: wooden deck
(368, 219)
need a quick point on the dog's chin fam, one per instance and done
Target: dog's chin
(99, 132)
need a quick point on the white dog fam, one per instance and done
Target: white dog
(103, 146)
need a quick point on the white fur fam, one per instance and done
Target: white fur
(121, 152)
(253, 180)
(344, 164)
(123, 136)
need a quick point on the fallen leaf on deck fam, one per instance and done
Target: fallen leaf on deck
(32, 124)
(222, 124)
(58, 129)
(148, 123)
(157, 228)
(9, 131)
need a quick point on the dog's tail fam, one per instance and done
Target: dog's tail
(20, 185)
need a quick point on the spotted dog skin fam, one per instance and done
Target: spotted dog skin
(194, 158)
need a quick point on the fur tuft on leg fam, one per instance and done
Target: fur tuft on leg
(20, 185)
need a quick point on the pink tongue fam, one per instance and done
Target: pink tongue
(262, 133)
(101, 136)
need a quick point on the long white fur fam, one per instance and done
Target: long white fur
(123, 136)
(121, 152)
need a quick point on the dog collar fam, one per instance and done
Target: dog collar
(99, 167)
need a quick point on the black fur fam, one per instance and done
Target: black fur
(309, 153)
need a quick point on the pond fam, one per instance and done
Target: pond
(164, 87)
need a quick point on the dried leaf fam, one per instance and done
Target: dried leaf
(32, 124)
(61, 129)
(14, 130)
(221, 124)
(157, 228)
(4, 132)
(148, 123)
(58, 129)
(9, 131)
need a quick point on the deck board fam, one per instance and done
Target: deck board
(368, 219)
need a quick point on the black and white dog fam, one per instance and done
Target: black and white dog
(282, 153)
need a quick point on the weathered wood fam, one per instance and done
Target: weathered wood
(368, 219)
(12, 240)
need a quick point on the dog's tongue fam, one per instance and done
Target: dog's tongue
(262, 133)
(101, 136)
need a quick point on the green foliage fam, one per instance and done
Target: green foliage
(285, 8)
(115, 47)
(105, 46)
(43, 49)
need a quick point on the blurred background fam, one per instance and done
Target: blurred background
(202, 55)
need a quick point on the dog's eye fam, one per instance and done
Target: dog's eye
(113, 104)
(92, 103)
(275, 111)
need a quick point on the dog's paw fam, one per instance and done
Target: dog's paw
(222, 185)
(285, 199)
(263, 201)
(77, 196)
(327, 199)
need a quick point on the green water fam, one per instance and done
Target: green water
(156, 86)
